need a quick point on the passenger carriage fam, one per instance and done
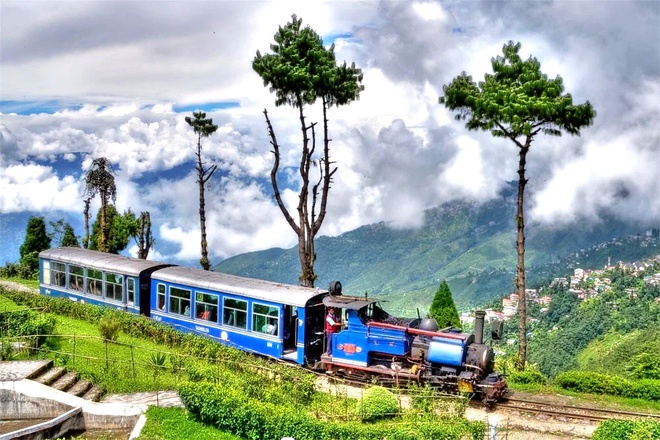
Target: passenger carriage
(272, 319)
(97, 278)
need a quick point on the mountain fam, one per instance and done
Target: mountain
(470, 245)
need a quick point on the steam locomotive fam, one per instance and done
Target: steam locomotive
(277, 320)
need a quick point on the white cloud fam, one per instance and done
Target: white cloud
(398, 150)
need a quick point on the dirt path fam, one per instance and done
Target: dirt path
(11, 285)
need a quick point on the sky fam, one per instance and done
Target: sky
(85, 79)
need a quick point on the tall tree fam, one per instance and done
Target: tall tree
(120, 229)
(144, 238)
(443, 309)
(299, 71)
(203, 127)
(517, 102)
(100, 180)
(36, 240)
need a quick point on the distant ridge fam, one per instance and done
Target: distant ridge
(470, 245)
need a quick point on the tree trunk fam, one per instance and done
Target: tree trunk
(520, 272)
(204, 261)
(86, 239)
(103, 230)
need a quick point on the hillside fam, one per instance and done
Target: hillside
(470, 245)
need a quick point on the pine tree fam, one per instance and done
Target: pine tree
(36, 240)
(443, 309)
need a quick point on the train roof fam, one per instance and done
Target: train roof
(100, 260)
(348, 302)
(247, 287)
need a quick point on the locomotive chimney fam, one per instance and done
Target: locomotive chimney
(479, 316)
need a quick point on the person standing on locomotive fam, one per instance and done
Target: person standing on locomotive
(332, 325)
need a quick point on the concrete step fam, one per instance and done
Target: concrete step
(80, 388)
(43, 366)
(94, 393)
(51, 375)
(65, 382)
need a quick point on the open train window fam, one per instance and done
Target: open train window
(94, 282)
(57, 274)
(130, 290)
(180, 301)
(76, 278)
(114, 286)
(160, 290)
(206, 306)
(265, 319)
(234, 312)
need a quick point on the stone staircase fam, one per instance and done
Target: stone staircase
(67, 381)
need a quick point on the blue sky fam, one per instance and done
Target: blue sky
(82, 79)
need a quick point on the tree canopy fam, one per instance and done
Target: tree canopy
(121, 227)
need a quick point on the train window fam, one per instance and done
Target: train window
(161, 297)
(76, 278)
(94, 282)
(130, 290)
(234, 312)
(265, 319)
(206, 306)
(179, 301)
(58, 274)
(114, 286)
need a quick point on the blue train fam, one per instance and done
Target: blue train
(278, 320)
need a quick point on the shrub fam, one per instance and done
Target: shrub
(627, 430)
(109, 328)
(527, 377)
(377, 403)
(597, 383)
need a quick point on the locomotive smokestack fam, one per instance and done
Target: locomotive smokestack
(479, 316)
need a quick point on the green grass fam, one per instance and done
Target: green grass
(7, 305)
(128, 368)
(175, 423)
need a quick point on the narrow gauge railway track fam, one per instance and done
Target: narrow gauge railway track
(571, 411)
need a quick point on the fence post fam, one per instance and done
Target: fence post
(133, 362)
(107, 366)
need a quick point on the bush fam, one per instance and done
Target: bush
(377, 403)
(627, 430)
(109, 328)
(597, 383)
(229, 409)
(527, 377)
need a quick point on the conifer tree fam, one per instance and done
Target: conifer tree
(517, 102)
(36, 240)
(443, 309)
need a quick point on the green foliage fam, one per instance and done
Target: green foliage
(443, 309)
(627, 430)
(30, 326)
(377, 403)
(229, 409)
(301, 69)
(63, 234)
(527, 377)
(516, 100)
(121, 227)
(598, 383)
(109, 328)
(175, 424)
(36, 240)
